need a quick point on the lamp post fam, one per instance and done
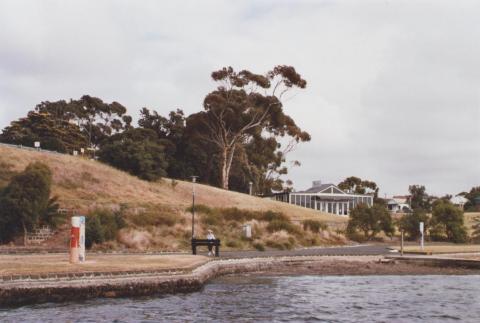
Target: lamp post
(194, 179)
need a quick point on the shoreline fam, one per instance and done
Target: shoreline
(134, 284)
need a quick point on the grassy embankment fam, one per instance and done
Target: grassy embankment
(157, 213)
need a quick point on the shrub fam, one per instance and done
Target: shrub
(448, 220)
(410, 223)
(25, 201)
(314, 226)
(235, 214)
(271, 216)
(102, 225)
(211, 219)
(370, 221)
(281, 244)
(94, 232)
(279, 225)
(200, 208)
(476, 230)
(154, 218)
(259, 246)
(233, 244)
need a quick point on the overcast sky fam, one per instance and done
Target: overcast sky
(393, 90)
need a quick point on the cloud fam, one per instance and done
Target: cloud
(393, 87)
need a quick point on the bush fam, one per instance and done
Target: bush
(271, 216)
(410, 223)
(102, 225)
(25, 201)
(235, 214)
(200, 208)
(94, 232)
(314, 226)
(154, 218)
(281, 244)
(233, 244)
(370, 221)
(259, 246)
(476, 230)
(279, 225)
(448, 220)
(211, 219)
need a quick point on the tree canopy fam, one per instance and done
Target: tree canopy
(66, 126)
(447, 221)
(357, 185)
(241, 136)
(25, 202)
(370, 221)
(245, 105)
(419, 198)
(56, 135)
(137, 151)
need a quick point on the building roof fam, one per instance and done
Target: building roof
(319, 188)
(457, 200)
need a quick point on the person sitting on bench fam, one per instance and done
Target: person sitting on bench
(210, 236)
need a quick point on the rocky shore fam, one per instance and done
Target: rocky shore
(28, 291)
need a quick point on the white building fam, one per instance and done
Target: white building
(326, 198)
(396, 206)
(459, 201)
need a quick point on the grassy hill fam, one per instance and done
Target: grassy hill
(85, 185)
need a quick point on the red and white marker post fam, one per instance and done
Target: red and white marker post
(77, 240)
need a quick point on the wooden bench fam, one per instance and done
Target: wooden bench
(206, 242)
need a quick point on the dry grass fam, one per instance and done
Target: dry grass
(84, 184)
(58, 263)
(438, 249)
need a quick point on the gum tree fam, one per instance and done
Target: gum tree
(247, 104)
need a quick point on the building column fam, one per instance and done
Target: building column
(348, 208)
(337, 209)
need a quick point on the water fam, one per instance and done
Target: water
(282, 298)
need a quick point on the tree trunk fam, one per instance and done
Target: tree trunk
(24, 234)
(223, 170)
(226, 165)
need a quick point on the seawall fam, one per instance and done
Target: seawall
(29, 290)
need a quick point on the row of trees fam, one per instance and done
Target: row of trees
(442, 220)
(234, 140)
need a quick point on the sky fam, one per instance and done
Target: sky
(393, 91)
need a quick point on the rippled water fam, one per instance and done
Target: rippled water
(282, 298)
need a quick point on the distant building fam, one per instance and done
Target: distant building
(459, 201)
(398, 205)
(326, 198)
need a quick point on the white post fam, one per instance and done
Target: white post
(421, 235)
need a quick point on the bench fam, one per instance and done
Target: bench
(206, 242)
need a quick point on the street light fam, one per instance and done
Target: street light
(194, 179)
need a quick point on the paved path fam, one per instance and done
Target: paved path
(360, 250)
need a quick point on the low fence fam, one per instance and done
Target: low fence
(30, 148)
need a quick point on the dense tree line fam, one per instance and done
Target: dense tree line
(236, 138)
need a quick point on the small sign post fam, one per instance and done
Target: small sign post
(421, 235)
(36, 144)
(401, 245)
